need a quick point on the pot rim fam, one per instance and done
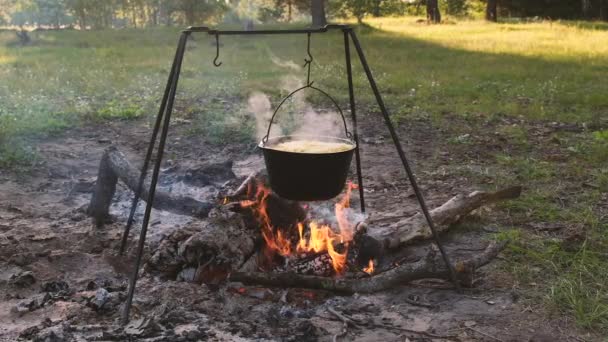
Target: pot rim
(348, 141)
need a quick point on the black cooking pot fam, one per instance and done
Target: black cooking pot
(303, 176)
(306, 176)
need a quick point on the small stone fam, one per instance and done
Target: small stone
(102, 296)
(469, 324)
(187, 274)
(55, 286)
(490, 302)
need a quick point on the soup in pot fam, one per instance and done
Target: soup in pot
(312, 146)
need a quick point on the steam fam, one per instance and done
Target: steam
(297, 113)
(259, 106)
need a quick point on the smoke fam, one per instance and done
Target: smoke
(299, 116)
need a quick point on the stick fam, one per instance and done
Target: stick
(114, 166)
(242, 189)
(429, 267)
(485, 334)
(416, 303)
(342, 333)
(345, 323)
(343, 318)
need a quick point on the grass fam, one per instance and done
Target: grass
(482, 84)
(551, 71)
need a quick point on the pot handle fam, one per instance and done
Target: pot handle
(348, 134)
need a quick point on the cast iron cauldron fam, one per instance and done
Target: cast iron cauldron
(307, 176)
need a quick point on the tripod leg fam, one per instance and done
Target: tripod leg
(351, 95)
(144, 169)
(161, 147)
(403, 158)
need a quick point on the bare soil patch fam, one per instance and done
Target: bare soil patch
(77, 282)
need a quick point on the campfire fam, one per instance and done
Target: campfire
(263, 237)
(308, 238)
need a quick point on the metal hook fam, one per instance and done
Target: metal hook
(308, 62)
(217, 50)
(310, 58)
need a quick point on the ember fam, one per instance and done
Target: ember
(313, 236)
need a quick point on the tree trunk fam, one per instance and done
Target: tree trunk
(491, 12)
(376, 11)
(586, 8)
(134, 17)
(317, 10)
(289, 10)
(433, 15)
(603, 10)
(82, 19)
(23, 36)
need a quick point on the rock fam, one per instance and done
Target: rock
(26, 258)
(22, 279)
(107, 284)
(31, 304)
(141, 327)
(104, 300)
(56, 287)
(187, 274)
(102, 296)
(57, 333)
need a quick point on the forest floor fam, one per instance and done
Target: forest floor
(525, 107)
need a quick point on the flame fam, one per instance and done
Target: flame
(370, 267)
(346, 228)
(321, 237)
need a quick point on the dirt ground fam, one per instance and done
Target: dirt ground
(55, 266)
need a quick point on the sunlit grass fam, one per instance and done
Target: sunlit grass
(548, 40)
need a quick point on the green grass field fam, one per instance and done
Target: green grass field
(477, 72)
(549, 71)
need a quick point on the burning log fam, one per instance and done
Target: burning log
(317, 264)
(114, 166)
(431, 266)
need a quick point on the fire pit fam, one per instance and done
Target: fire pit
(312, 237)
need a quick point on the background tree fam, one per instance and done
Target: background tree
(355, 8)
(317, 11)
(492, 10)
(456, 7)
(433, 15)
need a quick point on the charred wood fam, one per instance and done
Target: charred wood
(114, 166)
(206, 250)
(431, 266)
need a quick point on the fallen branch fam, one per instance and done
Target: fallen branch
(429, 267)
(345, 323)
(114, 166)
(415, 227)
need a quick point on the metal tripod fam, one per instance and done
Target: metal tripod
(163, 119)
